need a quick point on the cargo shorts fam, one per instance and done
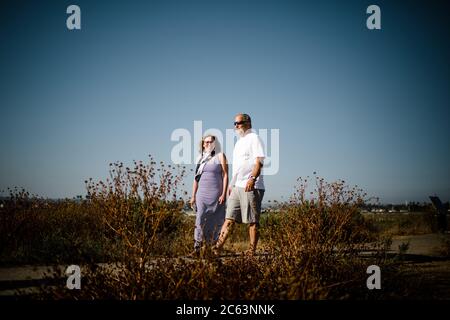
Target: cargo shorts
(244, 207)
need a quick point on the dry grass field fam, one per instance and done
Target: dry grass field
(131, 237)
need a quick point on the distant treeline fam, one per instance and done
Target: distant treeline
(409, 207)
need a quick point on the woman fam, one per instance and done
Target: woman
(209, 192)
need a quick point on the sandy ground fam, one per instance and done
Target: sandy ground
(426, 244)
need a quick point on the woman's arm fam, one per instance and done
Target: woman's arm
(223, 162)
(194, 192)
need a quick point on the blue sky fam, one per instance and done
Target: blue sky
(369, 107)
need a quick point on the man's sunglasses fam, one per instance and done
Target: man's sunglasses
(240, 122)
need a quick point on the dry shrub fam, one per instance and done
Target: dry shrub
(38, 230)
(312, 246)
(15, 216)
(140, 206)
(318, 236)
(329, 221)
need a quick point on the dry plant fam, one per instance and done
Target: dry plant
(37, 230)
(143, 211)
(311, 245)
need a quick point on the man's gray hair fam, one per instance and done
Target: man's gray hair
(245, 117)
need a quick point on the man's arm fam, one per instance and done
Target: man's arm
(256, 171)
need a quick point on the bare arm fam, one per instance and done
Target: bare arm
(255, 173)
(257, 167)
(224, 164)
(194, 192)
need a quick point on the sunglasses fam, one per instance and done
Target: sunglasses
(208, 141)
(240, 122)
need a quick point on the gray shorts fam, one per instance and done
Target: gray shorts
(244, 207)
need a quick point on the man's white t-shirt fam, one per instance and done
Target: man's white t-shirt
(245, 152)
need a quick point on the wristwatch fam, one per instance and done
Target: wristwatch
(252, 177)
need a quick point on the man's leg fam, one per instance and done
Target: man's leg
(224, 232)
(254, 200)
(233, 208)
(254, 236)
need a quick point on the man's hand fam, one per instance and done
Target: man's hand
(250, 185)
(229, 190)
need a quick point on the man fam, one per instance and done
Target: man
(246, 188)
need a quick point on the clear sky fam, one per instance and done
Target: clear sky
(367, 106)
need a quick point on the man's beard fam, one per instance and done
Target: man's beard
(240, 132)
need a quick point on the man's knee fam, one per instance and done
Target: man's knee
(229, 224)
(253, 225)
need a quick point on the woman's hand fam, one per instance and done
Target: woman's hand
(222, 199)
(192, 202)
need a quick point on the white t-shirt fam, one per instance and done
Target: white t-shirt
(245, 152)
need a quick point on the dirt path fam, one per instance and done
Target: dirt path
(426, 244)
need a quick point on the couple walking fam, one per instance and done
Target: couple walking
(210, 188)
